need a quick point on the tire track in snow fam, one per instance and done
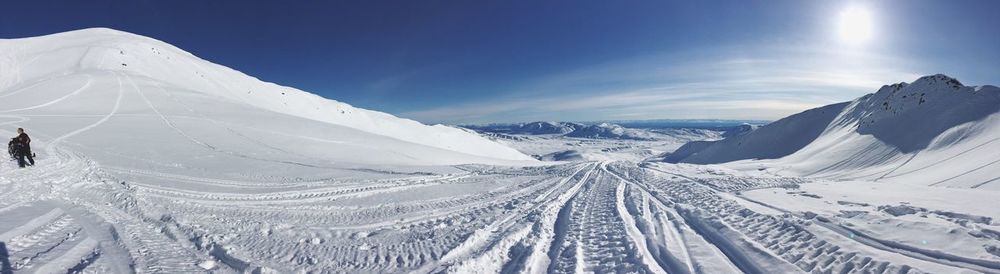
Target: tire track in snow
(147, 245)
(523, 249)
(596, 238)
(70, 258)
(553, 226)
(401, 232)
(164, 118)
(70, 168)
(77, 91)
(786, 237)
(106, 117)
(653, 248)
(898, 248)
(31, 225)
(633, 232)
(22, 119)
(491, 242)
(311, 195)
(229, 152)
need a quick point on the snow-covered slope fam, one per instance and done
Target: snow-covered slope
(780, 138)
(742, 129)
(142, 172)
(934, 131)
(149, 93)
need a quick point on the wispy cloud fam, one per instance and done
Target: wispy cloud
(736, 83)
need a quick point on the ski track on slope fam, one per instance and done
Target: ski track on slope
(71, 214)
(969, 172)
(589, 217)
(581, 218)
(215, 148)
(55, 178)
(75, 92)
(786, 237)
(114, 110)
(949, 158)
(164, 118)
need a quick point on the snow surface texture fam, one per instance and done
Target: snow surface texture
(81, 73)
(137, 174)
(934, 131)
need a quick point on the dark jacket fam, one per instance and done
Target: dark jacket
(24, 139)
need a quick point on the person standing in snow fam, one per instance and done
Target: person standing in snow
(24, 149)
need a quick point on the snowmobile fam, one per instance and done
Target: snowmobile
(12, 147)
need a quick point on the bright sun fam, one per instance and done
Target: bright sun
(855, 25)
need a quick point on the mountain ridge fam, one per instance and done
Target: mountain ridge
(934, 121)
(46, 60)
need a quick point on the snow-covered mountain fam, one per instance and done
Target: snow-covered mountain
(933, 131)
(577, 130)
(609, 131)
(742, 129)
(532, 128)
(154, 161)
(147, 94)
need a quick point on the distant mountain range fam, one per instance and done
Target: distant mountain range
(641, 130)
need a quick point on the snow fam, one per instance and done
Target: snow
(934, 131)
(774, 140)
(532, 128)
(943, 219)
(602, 130)
(598, 142)
(79, 72)
(171, 164)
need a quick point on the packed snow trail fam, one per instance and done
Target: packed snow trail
(593, 217)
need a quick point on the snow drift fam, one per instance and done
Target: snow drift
(933, 131)
(151, 94)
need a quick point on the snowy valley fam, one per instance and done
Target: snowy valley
(152, 160)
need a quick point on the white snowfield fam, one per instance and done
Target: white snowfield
(153, 161)
(83, 72)
(934, 131)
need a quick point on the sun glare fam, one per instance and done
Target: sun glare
(855, 25)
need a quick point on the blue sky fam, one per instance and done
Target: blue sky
(503, 61)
